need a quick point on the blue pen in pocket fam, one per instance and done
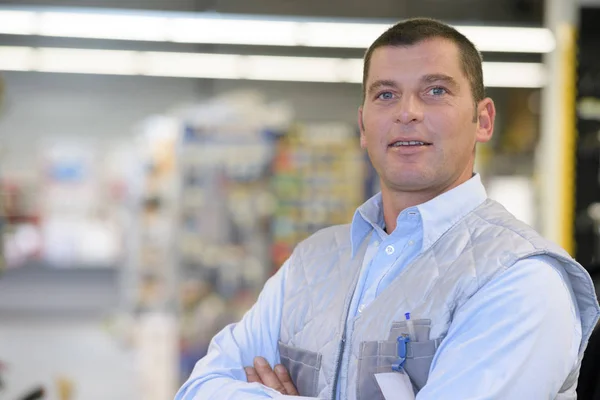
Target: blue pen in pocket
(402, 341)
(401, 351)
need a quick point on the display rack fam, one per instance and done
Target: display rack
(223, 230)
(224, 192)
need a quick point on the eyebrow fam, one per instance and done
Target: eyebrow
(381, 83)
(448, 80)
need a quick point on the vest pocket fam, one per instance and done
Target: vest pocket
(378, 356)
(374, 358)
(303, 366)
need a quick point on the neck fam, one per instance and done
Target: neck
(396, 201)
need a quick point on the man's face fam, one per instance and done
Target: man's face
(417, 118)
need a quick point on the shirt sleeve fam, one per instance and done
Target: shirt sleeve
(516, 338)
(220, 374)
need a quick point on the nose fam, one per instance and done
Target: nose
(409, 110)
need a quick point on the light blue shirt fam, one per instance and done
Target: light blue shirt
(517, 338)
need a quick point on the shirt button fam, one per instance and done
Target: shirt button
(376, 243)
(390, 250)
(410, 242)
(361, 308)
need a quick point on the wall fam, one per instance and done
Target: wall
(43, 106)
(106, 109)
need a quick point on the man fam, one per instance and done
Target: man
(496, 311)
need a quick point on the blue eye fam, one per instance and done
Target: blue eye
(385, 96)
(438, 91)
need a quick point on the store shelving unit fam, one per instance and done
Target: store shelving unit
(219, 205)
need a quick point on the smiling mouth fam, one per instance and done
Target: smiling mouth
(411, 143)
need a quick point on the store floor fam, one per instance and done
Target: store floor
(41, 351)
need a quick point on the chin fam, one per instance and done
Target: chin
(409, 183)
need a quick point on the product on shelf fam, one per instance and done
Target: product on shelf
(20, 222)
(319, 178)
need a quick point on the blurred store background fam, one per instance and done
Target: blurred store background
(160, 159)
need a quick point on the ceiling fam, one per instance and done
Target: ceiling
(505, 12)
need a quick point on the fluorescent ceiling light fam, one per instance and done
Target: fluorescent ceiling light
(83, 61)
(506, 39)
(230, 66)
(224, 31)
(352, 70)
(335, 34)
(523, 75)
(102, 26)
(191, 65)
(221, 29)
(292, 69)
(16, 58)
(18, 23)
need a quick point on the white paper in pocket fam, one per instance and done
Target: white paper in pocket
(395, 385)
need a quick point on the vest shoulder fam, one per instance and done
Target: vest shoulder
(327, 240)
(498, 221)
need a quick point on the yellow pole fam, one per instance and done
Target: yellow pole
(567, 43)
(555, 155)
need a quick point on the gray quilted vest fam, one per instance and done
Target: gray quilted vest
(323, 274)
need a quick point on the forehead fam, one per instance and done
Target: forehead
(432, 56)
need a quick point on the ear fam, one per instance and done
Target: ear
(486, 114)
(361, 126)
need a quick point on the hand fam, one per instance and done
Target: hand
(278, 379)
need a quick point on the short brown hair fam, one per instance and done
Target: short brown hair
(413, 31)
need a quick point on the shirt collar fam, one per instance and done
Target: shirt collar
(443, 212)
(368, 217)
(437, 215)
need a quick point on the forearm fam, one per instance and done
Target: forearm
(517, 338)
(219, 387)
(220, 374)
